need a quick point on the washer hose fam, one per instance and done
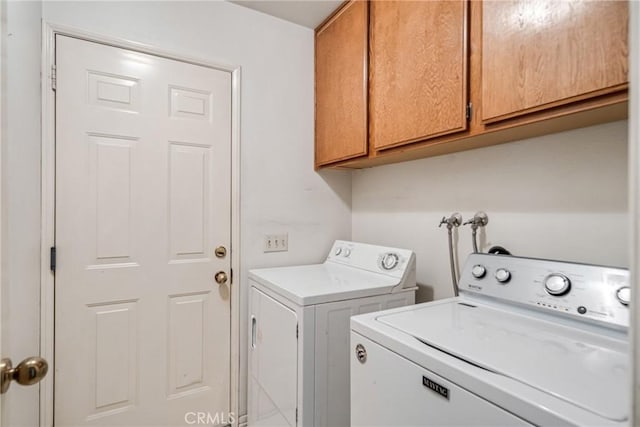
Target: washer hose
(474, 240)
(454, 279)
(455, 220)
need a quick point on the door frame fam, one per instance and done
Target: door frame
(2, 142)
(47, 240)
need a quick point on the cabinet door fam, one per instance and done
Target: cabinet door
(341, 85)
(538, 54)
(418, 70)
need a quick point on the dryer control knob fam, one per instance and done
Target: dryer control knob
(503, 275)
(338, 251)
(389, 261)
(478, 271)
(557, 284)
(624, 295)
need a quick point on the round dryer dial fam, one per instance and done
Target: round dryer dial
(557, 284)
(624, 295)
(389, 261)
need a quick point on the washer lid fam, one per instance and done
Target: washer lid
(586, 369)
(321, 283)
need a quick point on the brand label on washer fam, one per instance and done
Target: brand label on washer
(434, 386)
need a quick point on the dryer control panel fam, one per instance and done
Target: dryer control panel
(581, 291)
(394, 262)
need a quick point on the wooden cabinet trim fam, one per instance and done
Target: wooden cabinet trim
(339, 10)
(588, 113)
(594, 94)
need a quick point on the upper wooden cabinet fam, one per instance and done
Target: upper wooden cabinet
(539, 54)
(418, 70)
(341, 85)
(525, 67)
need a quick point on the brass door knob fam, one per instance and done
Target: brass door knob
(221, 277)
(28, 372)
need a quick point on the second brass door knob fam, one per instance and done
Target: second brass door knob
(221, 277)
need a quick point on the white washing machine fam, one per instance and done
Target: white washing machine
(527, 342)
(299, 330)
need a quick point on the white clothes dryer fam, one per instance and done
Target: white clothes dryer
(299, 330)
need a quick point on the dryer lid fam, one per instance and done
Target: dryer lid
(322, 283)
(587, 369)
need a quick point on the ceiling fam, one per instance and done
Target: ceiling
(308, 13)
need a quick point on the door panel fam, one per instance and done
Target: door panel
(341, 48)
(273, 359)
(418, 70)
(543, 53)
(142, 199)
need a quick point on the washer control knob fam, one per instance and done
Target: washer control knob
(624, 295)
(346, 253)
(361, 353)
(503, 275)
(389, 261)
(478, 271)
(338, 251)
(557, 284)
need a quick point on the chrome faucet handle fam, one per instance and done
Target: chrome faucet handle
(480, 219)
(453, 221)
(456, 219)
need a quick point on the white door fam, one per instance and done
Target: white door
(142, 329)
(273, 363)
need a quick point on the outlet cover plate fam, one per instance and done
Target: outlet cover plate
(276, 242)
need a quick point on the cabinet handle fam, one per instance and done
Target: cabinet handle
(253, 331)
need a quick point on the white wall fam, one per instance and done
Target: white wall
(280, 190)
(21, 200)
(561, 196)
(634, 199)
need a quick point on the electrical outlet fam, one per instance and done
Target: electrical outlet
(276, 242)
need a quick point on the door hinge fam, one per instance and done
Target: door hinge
(296, 415)
(297, 331)
(52, 259)
(231, 276)
(469, 111)
(54, 77)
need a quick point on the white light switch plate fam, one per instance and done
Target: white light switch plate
(276, 242)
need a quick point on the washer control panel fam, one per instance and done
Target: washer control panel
(379, 259)
(588, 292)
